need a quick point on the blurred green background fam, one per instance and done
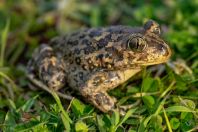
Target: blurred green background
(24, 24)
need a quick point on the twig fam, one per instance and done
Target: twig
(44, 87)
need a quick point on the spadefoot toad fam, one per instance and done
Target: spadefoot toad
(93, 61)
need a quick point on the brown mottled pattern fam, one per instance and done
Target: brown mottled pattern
(92, 61)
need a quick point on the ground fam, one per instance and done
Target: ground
(163, 101)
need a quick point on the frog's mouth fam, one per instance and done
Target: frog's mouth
(164, 53)
(154, 63)
(163, 58)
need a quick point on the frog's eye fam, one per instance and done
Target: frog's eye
(137, 44)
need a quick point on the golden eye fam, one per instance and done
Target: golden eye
(137, 44)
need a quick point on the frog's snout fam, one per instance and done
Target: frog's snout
(164, 50)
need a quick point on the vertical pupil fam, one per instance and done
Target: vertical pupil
(137, 43)
(134, 43)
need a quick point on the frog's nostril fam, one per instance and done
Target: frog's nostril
(164, 50)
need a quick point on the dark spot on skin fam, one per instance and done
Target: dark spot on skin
(102, 43)
(85, 67)
(78, 60)
(77, 51)
(53, 82)
(69, 42)
(65, 56)
(106, 64)
(91, 67)
(82, 36)
(42, 69)
(106, 55)
(119, 38)
(86, 42)
(89, 49)
(80, 74)
(120, 31)
(110, 30)
(99, 57)
(108, 37)
(69, 55)
(73, 43)
(71, 61)
(112, 50)
(94, 34)
(120, 57)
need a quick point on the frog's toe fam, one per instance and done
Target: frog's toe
(57, 81)
(100, 99)
(48, 67)
(52, 73)
(122, 111)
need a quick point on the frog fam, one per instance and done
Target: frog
(93, 61)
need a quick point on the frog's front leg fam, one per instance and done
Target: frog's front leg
(48, 67)
(95, 88)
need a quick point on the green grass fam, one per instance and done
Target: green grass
(165, 102)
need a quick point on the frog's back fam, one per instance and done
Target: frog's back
(89, 45)
(90, 40)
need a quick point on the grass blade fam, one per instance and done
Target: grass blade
(144, 123)
(127, 115)
(29, 126)
(178, 109)
(28, 104)
(64, 115)
(4, 35)
(167, 121)
(9, 122)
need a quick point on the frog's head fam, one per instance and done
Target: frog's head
(146, 47)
